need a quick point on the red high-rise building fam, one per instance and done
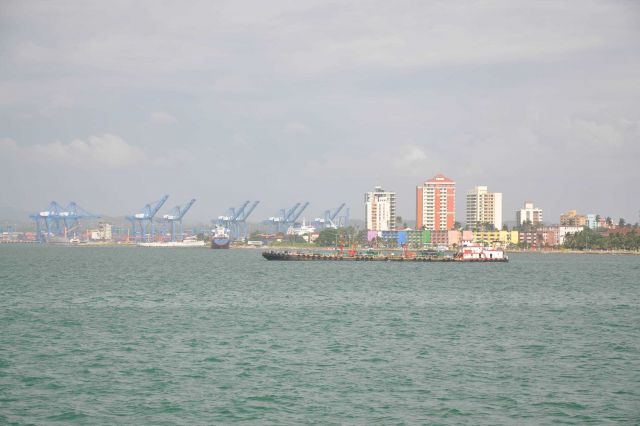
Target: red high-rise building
(436, 204)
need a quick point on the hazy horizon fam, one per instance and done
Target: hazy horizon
(113, 105)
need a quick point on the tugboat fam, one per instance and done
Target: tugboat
(220, 238)
(479, 253)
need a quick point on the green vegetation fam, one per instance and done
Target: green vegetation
(347, 236)
(588, 239)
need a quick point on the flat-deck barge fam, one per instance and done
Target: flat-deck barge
(296, 256)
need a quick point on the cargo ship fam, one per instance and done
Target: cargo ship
(220, 238)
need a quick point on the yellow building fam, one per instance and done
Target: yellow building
(503, 238)
(572, 218)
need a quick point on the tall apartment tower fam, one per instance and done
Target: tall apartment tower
(380, 210)
(529, 213)
(436, 204)
(484, 207)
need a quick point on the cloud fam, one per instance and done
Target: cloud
(8, 146)
(410, 155)
(160, 117)
(103, 152)
(296, 129)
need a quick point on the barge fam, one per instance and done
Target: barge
(466, 254)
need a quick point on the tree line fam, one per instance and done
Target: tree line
(588, 239)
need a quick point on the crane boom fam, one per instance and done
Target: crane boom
(335, 213)
(248, 213)
(298, 213)
(186, 208)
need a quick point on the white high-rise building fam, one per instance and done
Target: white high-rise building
(380, 210)
(529, 213)
(484, 207)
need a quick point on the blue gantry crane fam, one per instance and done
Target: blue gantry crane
(47, 221)
(235, 219)
(144, 220)
(72, 215)
(291, 220)
(59, 221)
(174, 218)
(285, 218)
(241, 222)
(330, 219)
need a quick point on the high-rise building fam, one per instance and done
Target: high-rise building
(484, 207)
(572, 218)
(436, 204)
(380, 210)
(530, 214)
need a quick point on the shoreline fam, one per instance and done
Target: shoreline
(325, 249)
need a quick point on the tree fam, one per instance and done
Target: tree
(487, 226)
(621, 222)
(456, 225)
(608, 221)
(327, 237)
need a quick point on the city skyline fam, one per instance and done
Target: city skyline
(317, 101)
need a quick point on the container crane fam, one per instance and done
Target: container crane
(277, 222)
(175, 217)
(291, 220)
(144, 219)
(48, 219)
(72, 215)
(228, 220)
(241, 220)
(329, 219)
(235, 219)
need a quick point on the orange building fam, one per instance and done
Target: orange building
(436, 204)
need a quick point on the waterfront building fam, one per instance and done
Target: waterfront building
(447, 238)
(484, 207)
(436, 204)
(418, 238)
(545, 237)
(530, 214)
(557, 233)
(572, 218)
(591, 221)
(503, 238)
(103, 233)
(380, 210)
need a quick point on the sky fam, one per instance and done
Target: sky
(115, 104)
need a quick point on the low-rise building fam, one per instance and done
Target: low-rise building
(418, 238)
(503, 238)
(444, 238)
(543, 237)
(557, 233)
(103, 233)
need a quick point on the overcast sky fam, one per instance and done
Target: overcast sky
(113, 104)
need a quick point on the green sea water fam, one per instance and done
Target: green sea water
(198, 336)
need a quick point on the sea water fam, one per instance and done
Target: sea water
(111, 335)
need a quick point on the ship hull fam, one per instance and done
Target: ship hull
(220, 243)
(286, 256)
